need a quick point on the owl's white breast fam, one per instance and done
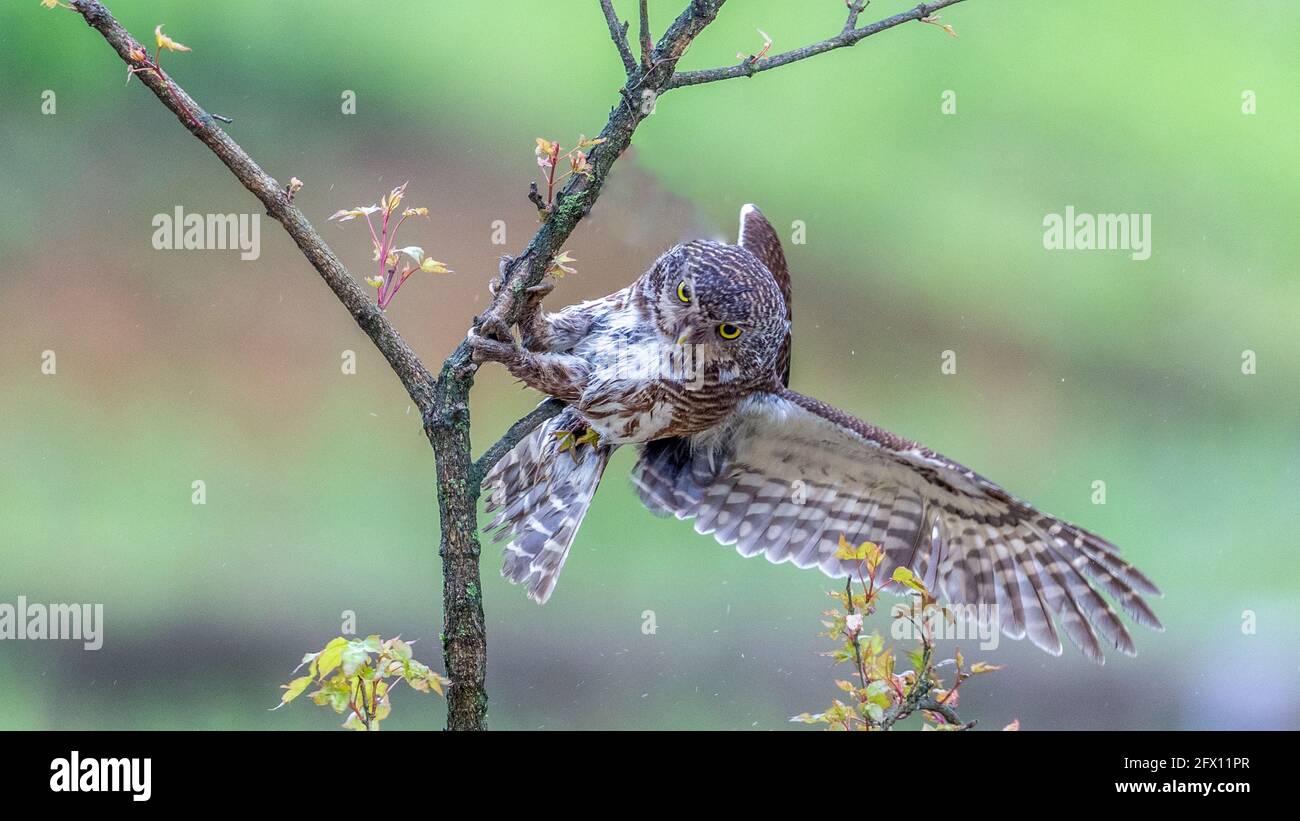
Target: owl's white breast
(629, 363)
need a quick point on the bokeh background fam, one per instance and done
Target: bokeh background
(924, 234)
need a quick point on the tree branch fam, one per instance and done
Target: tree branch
(618, 31)
(849, 36)
(855, 8)
(465, 642)
(415, 377)
(948, 713)
(579, 194)
(645, 35)
(550, 407)
(919, 698)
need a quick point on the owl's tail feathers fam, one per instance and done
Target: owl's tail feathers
(540, 492)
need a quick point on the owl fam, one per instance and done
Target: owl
(691, 365)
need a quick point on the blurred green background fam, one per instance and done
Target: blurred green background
(924, 234)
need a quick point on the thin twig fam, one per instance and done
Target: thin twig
(853, 637)
(618, 32)
(514, 436)
(855, 8)
(645, 36)
(415, 377)
(949, 714)
(848, 37)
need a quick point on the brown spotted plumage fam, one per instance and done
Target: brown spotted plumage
(757, 236)
(723, 441)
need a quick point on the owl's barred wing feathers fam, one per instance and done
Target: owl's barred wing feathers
(540, 495)
(962, 534)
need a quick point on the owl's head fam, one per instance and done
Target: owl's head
(721, 298)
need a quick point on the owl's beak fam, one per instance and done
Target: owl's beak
(683, 331)
(688, 334)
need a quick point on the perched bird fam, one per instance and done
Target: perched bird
(691, 363)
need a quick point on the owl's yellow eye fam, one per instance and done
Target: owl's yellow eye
(728, 331)
(682, 293)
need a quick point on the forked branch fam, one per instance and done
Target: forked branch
(274, 196)
(618, 32)
(850, 35)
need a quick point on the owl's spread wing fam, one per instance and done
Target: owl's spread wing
(788, 475)
(758, 237)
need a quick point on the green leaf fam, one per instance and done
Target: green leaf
(438, 682)
(872, 646)
(331, 656)
(354, 722)
(295, 688)
(353, 657)
(309, 658)
(416, 253)
(917, 658)
(352, 213)
(400, 649)
(336, 693)
(902, 575)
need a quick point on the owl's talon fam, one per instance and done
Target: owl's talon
(486, 349)
(533, 296)
(566, 439)
(572, 441)
(494, 327)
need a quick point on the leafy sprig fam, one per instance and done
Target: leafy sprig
(549, 155)
(395, 264)
(878, 694)
(356, 676)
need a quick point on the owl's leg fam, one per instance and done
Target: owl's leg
(563, 376)
(536, 327)
(560, 331)
(534, 323)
